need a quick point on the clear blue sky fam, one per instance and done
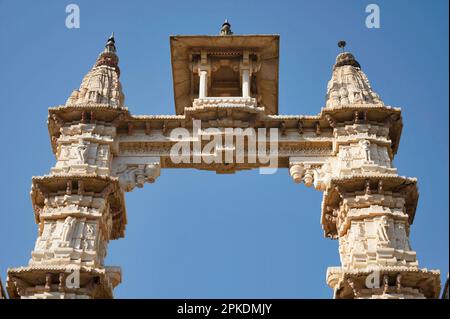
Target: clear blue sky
(194, 233)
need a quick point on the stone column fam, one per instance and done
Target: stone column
(369, 208)
(245, 68)
(203, 88)
(203, 69)
(78, 208)
(246, 83)
(366, 205)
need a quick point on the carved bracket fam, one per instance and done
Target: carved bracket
(317, 172)
(135, 172)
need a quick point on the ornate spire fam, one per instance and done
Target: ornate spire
(226, 28)
(101, 85)
(349, 84)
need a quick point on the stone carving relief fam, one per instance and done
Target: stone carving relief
(97, 130)
(103, 157)
(364, 151)
(83, 157)
(317, 174)
(374, 241)
(82, 150)
(350, 132)
(135, 175)
(72, 154)
(135, 171)
(353, 244)
(101, 85)
(384, 230)
(322, 177)
(356, 156)
(45, 240)
(77, 236)
(349, 84)
(67, 230)
(353, 158)
(345, 156)
(85, 236)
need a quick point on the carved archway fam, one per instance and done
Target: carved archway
(103, 151)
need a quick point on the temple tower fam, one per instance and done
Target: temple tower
(366, 205)
(78, 207)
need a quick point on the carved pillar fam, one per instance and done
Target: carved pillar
(78, 209)
(203, 73)
(368, 208)
(366, 205)
(245, 71)
(245, 83)
(79, 206)
(203, 89)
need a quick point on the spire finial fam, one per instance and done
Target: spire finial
(226, 28)
(342, 45)
(345, 57)
(110, 44)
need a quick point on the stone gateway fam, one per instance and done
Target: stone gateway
(224, 82)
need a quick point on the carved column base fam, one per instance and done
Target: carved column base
(62, 282)
(384, 283)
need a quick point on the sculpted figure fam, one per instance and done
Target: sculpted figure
(89, 230)
(347, 157)
(357, 97)
(334, 98)
(382, 229)
(101, 153)
(380, 187)
(385, 284)
(82, 152)
(322, 177)
(365, 146)
(89, 235)
(67, 229)
(353, 92)
(344, 96)
(127, 176)
(357, 235)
